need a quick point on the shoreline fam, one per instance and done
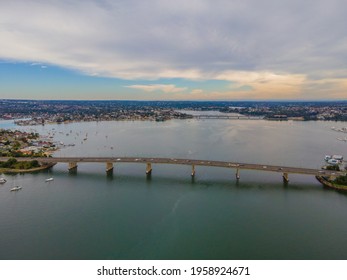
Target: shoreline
(194, 117)
(330, 185)
(36, 169)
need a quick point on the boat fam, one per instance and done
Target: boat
(2, 180)
(337, 157)
(49, 179)
(333, 161)
(16, 188)
(327, 157)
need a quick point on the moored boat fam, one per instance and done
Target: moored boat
(16, 188)
(49, 179)
(337, 157)
(333, 161)
(327, 157)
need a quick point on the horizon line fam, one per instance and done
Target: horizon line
(182, 100)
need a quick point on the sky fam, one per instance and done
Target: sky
(173, 50)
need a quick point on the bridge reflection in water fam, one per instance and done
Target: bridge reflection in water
(110, 161)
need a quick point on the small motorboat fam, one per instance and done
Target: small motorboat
(16, 188)
(49, 180)
(2, 180)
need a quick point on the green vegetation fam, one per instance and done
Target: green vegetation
(341, 180)
(333, 167)
(12, 163)
(16, 153)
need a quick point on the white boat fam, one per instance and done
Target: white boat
(16, 188)
(49, 179)
(327, 157)
(337, 157)
(333, 161)
(2, 180)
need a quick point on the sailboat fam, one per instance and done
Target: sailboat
(16, 188)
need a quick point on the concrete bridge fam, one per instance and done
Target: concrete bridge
(227, 117)
(237, 166)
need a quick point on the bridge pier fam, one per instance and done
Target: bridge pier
(285, 177)
(193, 170)
(149, 168)
(237, 174)
(72, 166)
(109, 167)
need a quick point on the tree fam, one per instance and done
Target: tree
(34, 163)
(9, 163)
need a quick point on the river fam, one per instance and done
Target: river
(89, 215)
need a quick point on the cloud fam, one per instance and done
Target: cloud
(158, 87)
(196, 91)
(265, 44)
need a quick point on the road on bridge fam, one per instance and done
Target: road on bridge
(192, 162)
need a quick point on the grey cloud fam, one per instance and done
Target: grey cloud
(132, 39)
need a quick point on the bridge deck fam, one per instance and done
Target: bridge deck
(231, 117)
(196, 162)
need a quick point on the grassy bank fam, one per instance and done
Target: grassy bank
(13, 166)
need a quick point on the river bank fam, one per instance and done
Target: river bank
(328, 184)
(30, 170)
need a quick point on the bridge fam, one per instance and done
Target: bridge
(228, 117)
(237, 166)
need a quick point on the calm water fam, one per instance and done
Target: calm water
(168, 216)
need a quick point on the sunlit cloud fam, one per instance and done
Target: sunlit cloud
(265, 49)
(158, 87)
(196, 91)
